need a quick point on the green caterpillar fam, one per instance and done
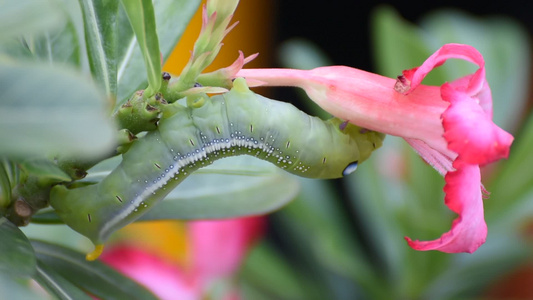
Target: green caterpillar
(235, 123)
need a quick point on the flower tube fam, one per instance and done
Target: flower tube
(449, 126)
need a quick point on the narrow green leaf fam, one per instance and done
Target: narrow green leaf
(172, 17)
(231, 187)
(95, 277)
(44, 169)
(51, 110)
(142, 19)
(12, 171)
(100, 20)
(57, 285)
(60, 235)
(5, 188)
(15, 48)
(17, 257)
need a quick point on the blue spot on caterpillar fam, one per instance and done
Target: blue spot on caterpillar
(188, 138)
(350, 168)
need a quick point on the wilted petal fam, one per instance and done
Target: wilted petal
(416, 75)
(463, 196)
(236, 66)
(223, 77)
(434, 158)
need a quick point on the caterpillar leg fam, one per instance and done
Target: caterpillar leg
(98, 249)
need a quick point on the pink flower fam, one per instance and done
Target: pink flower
(164, 279)
(217, 249)
(449, 126)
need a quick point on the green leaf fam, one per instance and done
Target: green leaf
(100, 19)
(142, 19)
(24, 17)
(60, 45)
(51, 110)
(231, 187)
(95, 277)
(57, 285)
(17, 257)
(60, 235)
(44, 169)
(172, 17)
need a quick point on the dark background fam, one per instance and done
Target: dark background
(341, 28)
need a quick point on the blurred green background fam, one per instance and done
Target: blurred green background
(344, 239)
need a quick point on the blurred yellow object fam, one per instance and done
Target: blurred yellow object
(252, 34)
(166, 238)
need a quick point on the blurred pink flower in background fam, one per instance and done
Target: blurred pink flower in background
(449, 126)
(215, 251)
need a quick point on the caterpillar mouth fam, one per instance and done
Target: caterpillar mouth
(350, 168)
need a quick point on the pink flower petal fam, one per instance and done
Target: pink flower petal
(470, 131)
(163, 279)
(482, 93)
(218, 247)
(463, 196)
